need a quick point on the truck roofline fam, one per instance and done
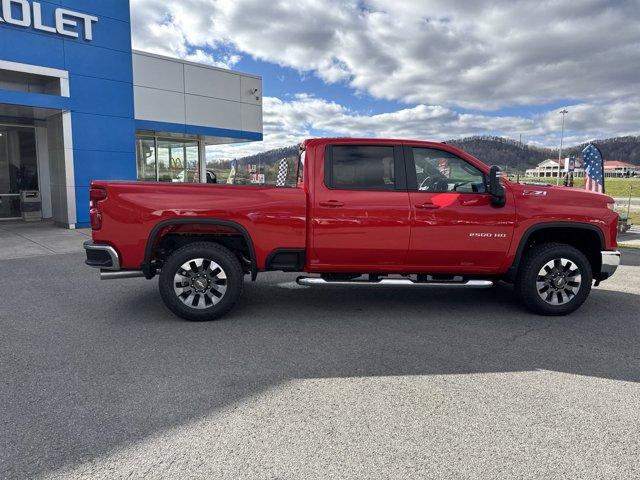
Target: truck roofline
(319, 142)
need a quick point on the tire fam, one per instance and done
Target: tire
(201, 281)
(554, 279)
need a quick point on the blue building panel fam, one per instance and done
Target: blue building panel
(103, 165)
(222, 132)
(101, 96)
(25, 46)
(103, 133)
(110, 33)
(39, 100)
(92, 61)
(166, 127)
(163, 127)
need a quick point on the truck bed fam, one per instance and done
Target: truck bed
(274, 217)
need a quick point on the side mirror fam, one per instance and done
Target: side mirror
(498, 196)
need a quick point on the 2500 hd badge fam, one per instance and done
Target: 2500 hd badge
(487, 235)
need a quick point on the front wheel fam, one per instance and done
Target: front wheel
(201, 281)
(554, 279)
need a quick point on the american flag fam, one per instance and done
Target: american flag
(593, 169)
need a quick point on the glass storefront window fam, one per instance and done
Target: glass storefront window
(165, 162)
(168, 160)
(192, 160)
(18, 167)
(146, 158)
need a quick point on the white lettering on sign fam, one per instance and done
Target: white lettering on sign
(24, 14)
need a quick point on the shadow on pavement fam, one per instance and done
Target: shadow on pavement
(89, 366)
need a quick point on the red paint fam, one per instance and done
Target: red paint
(349, 230)
(442, 237)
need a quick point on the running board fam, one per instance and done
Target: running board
(393, 282)
(120, 274)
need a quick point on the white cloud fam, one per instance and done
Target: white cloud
(435, 55)
(176, 29)
(289, 122)
(465, 53)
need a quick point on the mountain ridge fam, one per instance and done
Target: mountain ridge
(505, 151)
(501, 151)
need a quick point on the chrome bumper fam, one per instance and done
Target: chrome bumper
(610, 262)
(103, 257)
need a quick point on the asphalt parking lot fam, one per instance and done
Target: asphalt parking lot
(99, 380)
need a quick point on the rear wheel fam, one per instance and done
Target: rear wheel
(201, 281)
(554, 279)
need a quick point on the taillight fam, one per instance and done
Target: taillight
(96, 219)
(95, 196)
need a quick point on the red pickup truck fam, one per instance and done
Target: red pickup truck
(358, 212)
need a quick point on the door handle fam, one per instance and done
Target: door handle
(331, 204)
(427, 206)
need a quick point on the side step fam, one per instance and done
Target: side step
(393, 282)
(120, 274)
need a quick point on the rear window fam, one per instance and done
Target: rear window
(273, 168)
(360, 167)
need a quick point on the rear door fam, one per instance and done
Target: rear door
(361, 215)
(455, 226)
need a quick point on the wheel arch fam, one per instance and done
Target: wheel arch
(561, 232)
(156, 235)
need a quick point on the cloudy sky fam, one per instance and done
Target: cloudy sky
(428, 69)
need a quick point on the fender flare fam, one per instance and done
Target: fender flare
(149, 270)
(549, 225)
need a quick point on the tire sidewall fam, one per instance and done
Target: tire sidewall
(211, 251)
(527, 282)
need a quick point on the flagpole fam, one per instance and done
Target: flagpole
(563, 112)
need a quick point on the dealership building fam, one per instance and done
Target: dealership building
(77, 104)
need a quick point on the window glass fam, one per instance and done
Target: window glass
(146, 158)
(191, 157)
(167, 160)
(18, 167)
(301, 160)
(440, 171)
(172, 160)
(362, 167)
(274, 168)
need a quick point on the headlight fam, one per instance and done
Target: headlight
(611, 206)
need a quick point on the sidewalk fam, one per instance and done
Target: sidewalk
(31, 239)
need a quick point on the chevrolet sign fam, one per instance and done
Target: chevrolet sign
(23, 13)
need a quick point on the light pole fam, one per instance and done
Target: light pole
(564, 111)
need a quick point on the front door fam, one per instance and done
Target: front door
(18, 167)
(361, 216)
(455, 226)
